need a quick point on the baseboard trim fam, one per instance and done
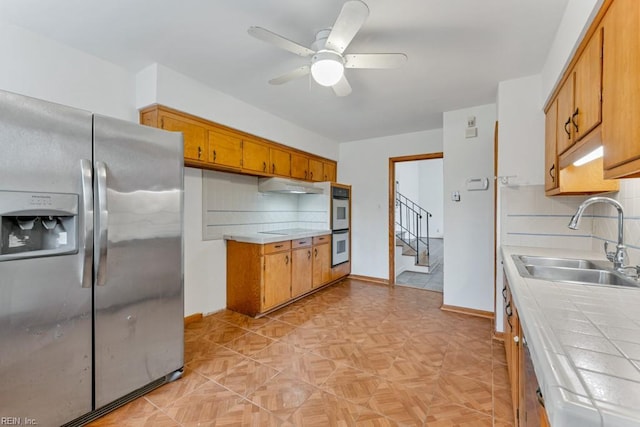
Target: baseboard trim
(192, 318)
(369, 279)
(469, 311)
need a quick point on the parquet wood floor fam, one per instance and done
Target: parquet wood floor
(354, 354)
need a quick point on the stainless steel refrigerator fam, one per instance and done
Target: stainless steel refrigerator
(91, 295)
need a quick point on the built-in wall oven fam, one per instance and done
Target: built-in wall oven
(340, 205)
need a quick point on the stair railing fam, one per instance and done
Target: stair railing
(412, 224)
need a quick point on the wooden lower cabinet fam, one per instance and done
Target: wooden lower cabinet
(527, 409)
(321, 260)
(263, 277)
(302, 267)
(277, 279)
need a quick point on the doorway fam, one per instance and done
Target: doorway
(416, 233)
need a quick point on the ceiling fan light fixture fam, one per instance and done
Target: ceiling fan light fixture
(327, 67)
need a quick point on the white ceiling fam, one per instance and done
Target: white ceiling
(458, 51)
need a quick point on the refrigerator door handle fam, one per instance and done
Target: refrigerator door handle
(103, 218)
(87, 208)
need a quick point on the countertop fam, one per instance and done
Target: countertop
(584, 342)
(275, 235)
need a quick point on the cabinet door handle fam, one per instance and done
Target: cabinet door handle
(315, 252)
(214, 155)
(264, 166)
(199, 152)
(551, 172)
(305, 174)
(568, 131)
(273, 168)
(286, 260)
(311, 175)
(278, 246)
(540, 397)
(573, 117)
(308, 254)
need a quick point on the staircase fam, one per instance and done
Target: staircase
(412, 230)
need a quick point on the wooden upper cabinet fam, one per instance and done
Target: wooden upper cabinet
(316, 172)
(195, 136)
(329, 171)
(579, 99)
(280, 162)
(550, 153)
(299, 166)
(209, 145)
(587, 112)
(225, 149)
(564, 129)
(621, 90)
(255, 156)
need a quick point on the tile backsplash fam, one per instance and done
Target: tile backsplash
(232, 204)
(605, 221)
(529, 218)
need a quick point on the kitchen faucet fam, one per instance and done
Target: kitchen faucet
(620, 255)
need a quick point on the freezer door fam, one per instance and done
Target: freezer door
(45, 312)
(138, 296)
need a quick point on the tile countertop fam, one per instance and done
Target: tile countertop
(584, 341)
(275, 235)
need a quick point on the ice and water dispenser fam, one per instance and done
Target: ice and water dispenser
(37, 224)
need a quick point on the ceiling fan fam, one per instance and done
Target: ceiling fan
(328, 59)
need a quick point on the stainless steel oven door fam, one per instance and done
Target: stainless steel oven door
(340, 247)
(340, 216)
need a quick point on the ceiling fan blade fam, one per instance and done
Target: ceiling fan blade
(375, 60)
(351, 18)
(342, 88)
(279, 41)
(291, 75)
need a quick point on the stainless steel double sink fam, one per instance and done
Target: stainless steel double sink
(581, 271)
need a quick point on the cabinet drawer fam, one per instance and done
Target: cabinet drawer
(301, 243)
(321, 239)
(270, 248)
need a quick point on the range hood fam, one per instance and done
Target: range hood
(286, 185)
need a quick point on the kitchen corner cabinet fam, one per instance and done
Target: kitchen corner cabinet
(528, 410)
(209, 145)
(621, 90)
(261, 278)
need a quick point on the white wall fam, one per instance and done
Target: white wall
(365, 165)
(407, 175)
(468, 246)
(431, 177)
(39, 67)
